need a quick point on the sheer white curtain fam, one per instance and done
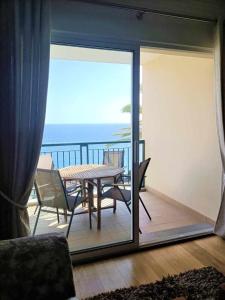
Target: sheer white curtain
(220, 102)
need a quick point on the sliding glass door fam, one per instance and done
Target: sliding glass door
(92, 136)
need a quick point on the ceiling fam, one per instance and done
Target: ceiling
(112, 56)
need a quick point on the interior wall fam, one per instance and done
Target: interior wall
(179, 127)
(200, 8)
(88, 21)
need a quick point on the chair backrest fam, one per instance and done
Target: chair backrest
(113, 158)
(49, 188)
(142, 170)
(45, 162)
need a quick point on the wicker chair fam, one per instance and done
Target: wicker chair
(51, 193)
(113, 158)
(45, 162)
(122, 194)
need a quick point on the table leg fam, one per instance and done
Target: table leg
(91, 194)
(90, 202)
(84, 193)
(114, 200)
(99, 204)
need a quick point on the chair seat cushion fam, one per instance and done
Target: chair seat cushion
(107, 181)
(71, 200)
(71, 188)
(110, 181)
(118, 194)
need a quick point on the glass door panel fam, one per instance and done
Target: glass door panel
(90, 137)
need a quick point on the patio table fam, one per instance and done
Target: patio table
(91, 174)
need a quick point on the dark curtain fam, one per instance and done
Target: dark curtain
(24, 61)
(220, 101)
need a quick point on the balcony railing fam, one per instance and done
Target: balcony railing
(66, 154)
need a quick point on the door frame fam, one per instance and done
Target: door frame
(71, 39)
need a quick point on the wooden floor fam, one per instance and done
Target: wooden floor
(148, 266)
(166, 214)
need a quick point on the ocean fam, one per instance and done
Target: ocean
(76, 133)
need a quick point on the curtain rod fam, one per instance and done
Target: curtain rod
(143, 10)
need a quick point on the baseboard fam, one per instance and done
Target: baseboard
(178, 204)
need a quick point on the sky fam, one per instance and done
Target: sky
(82, 92)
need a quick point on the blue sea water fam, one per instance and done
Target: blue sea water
(76, 133)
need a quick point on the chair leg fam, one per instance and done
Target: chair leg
(128, 207)
(145, 208)
(57, 211)
(35, 226)
(36, 209)
(71, 219)
(90, 211)
(114, 206)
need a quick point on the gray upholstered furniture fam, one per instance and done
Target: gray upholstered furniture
(36, 268)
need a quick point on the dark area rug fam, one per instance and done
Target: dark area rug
(204, 283)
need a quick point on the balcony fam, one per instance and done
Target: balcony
(167, 215)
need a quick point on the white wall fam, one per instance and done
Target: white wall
(179, 127)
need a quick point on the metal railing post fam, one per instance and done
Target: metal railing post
(87, 153)
(81, 155)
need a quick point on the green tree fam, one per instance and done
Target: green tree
(125, 133)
